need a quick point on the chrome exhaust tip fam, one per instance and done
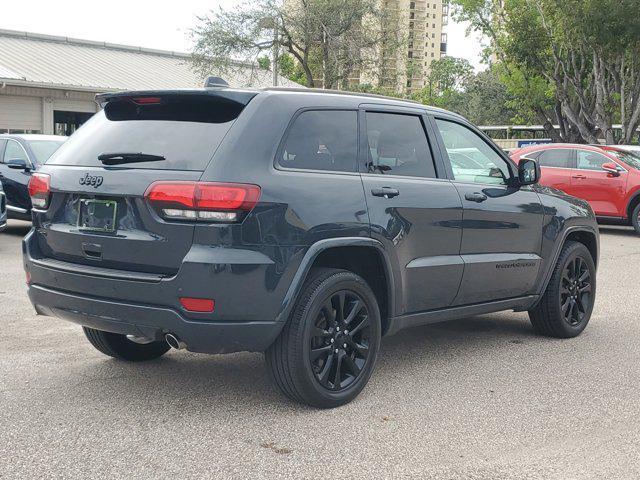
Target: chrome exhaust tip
(174, 342)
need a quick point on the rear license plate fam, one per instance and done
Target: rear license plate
(97, 215)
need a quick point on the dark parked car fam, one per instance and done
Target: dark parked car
(300, 223)
(3, 209)
(19, 156)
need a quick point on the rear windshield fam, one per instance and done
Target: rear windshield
(43, 149)
(186, 132)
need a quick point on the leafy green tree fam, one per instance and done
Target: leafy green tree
(290, 69)
(445, 82)
(571, 63)
(264, 62)
(487, 101)
(331, 40)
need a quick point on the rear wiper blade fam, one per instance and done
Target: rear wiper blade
(120, 158)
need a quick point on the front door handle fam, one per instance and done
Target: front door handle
(579, 177)
(476, 197)
(386, 192)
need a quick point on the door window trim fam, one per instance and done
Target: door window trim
(513, 169)
(423, 117)
(29, 162)
(276, 161)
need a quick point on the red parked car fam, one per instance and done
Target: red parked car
(607, 177)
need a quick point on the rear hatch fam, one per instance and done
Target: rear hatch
(97, 212)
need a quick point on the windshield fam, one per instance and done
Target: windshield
(43, 149)
(630, 159)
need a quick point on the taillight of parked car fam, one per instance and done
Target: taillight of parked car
(203, 201)
(39, 190)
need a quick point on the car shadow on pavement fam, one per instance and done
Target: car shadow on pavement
(241, 381)
(17, 228)
(619, 231)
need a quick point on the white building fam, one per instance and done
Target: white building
(48, 84)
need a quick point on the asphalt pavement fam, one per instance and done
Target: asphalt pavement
(480, 398)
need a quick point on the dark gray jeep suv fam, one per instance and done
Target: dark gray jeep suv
(299, 223)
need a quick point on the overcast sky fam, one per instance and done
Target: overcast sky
(155, 24)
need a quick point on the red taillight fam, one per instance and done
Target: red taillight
(207, 201)
(39, 190)
(203, 305)
(28, 275)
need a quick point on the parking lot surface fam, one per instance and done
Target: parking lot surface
(474, 398)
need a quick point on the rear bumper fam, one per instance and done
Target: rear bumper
(18, 214)
(154, 322)
(248, 287)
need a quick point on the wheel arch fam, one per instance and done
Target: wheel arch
(584, 234)
(349, 253)
(633, 203)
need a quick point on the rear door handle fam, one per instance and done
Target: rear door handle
(476, 197)
(386, 192)
(580, 177)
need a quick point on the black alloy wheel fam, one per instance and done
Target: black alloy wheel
(575, 291)
(328, 348)
(340, 340)
(565, 308)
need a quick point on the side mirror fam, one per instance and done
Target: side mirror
(18, 164)
(611, 169)
(528, 172)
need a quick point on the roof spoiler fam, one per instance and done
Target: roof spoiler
(242, 97)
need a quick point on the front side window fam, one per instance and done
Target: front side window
(471, 158)
(398, 146)
(322, 140)
(14, 151)
(588, 160)
(557, 158)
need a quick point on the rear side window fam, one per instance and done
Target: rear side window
(322, 140)
(43, 149)
(398, 145)
(185, 130)
(559, 158)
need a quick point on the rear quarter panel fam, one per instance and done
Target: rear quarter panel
(296, 209)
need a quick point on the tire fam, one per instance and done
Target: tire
(119, 346)
(566, 306)
(303, 362)
(635, 218)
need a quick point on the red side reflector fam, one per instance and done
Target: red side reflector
(146, 100)
(28, 275)
(197, 304)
